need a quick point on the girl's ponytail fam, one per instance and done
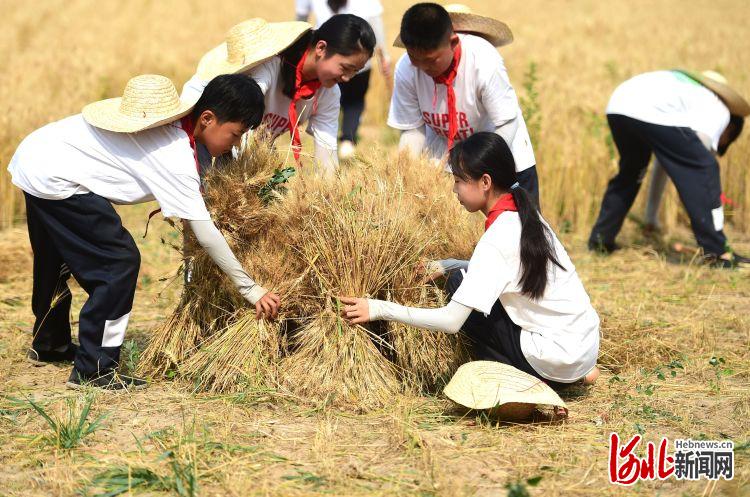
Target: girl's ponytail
(487, 153)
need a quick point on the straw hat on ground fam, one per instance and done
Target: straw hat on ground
(509, 392)
(717, 83)
(148, 101)
(248, 44)
(465, 21)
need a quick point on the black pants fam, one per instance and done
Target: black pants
(83, 236)
(353, 104)
(693, 170)
(529, 181)
(495, 337)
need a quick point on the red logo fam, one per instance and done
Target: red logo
(625, 468)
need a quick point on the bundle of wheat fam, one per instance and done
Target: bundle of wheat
(312, 239)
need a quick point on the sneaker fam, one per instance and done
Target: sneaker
(111, 380)
(346, 150)
(44, 357)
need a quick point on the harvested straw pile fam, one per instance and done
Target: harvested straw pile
(312, 239)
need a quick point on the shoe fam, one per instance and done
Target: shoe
(346, 150)
(44, 357)
(736, 262)
(602, 247)
(111, 380)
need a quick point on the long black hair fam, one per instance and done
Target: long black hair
(344, 34)
(487, 153)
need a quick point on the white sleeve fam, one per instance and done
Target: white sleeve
(413, 140)
(488, 277)
(507, 131)
(327, 159)
(448, 319)
(404, 112)
(266, 74)
(324, 121)
(495, 91)
(213, 242)
(193, 89)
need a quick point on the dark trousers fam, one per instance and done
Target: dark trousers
(83, 236)
(693, 170)
(529, 181)
(495, 337)
(353, 104)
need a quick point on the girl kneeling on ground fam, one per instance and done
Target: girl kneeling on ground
(519, 299)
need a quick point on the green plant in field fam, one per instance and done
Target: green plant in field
(182, 479)
(718, 363)
(131, 354)
(518, 488)
(532, 112)
(274, 186)
(68, 431)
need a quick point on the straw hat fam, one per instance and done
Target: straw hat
(248, 44)
(717, 83)
(149, 100)
(465, 21)
(503, 388)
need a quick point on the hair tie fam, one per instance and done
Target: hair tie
(514, 185)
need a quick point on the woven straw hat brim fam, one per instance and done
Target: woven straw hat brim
(489, 384)
(737, 105)
(280, 36)
(105, 114)
(496, 32)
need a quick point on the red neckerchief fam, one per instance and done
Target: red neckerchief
(504, 203)
(188, 126)
(447, 79)
(301, 91)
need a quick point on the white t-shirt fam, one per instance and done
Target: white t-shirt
(321, 112)
(369, 10)
(671, 98)
(560, 331)
(485, 100)
(70, 157)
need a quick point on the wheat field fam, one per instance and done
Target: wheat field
(676, 334)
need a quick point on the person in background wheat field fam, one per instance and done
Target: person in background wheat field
(452, 83)
(353, 92)
(681, 118)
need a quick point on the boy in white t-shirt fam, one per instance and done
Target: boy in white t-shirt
(518, 300)
(450, 85)
(679, 117)
(128, 150)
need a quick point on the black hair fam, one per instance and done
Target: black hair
(425, 26)
(732, 132)
(232, 98)
(336, 5)
(487, 153)
(344, 34)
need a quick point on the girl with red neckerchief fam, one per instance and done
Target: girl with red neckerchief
(518, 300)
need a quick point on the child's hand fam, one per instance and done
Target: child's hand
(356, 311)
(429, 271)
(268, 306)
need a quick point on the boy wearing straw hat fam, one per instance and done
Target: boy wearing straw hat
(452, 83)
(679, 117)
(127, 150)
